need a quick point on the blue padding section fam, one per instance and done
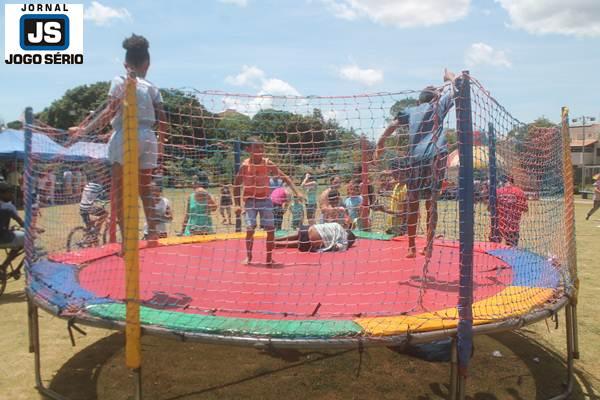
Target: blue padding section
(57, 284)
(529, 269)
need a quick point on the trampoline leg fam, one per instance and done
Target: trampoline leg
(575, 333)
(30, 323)
(571, 332)
(137, 377)
(453, 392)
(35, 341)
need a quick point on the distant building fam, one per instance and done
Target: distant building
(585, 151)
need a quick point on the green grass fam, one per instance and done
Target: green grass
(530, 366)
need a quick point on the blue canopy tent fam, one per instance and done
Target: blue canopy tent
(12, 145)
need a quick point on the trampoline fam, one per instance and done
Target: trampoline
(340, 294)
(499, 258)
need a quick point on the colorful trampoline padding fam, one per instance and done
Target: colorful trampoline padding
(532, 283)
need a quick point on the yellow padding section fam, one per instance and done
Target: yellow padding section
(170, 241)
(512, 301)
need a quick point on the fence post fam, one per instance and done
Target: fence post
(466, 222)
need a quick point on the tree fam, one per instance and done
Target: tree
(543, 122)
(74, 106)
(401, 105)
(18, 125)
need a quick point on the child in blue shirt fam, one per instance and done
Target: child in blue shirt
(354, 200)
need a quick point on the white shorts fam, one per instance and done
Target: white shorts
(147, 150)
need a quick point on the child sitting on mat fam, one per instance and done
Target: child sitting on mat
(197, 219)
(319, 237)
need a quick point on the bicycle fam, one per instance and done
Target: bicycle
(83, 237)
(7, 269)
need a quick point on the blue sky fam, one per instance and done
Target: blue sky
(533, 58)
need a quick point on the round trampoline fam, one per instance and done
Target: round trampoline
(308, 296)
(500, 235)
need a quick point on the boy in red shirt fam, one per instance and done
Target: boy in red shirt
(511, 203)
(254, 176)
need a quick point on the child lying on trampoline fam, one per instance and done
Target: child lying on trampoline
(329, 236)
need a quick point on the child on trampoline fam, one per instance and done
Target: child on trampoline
(329, 236)
(253, 177)
(335, 211)
(149, 112)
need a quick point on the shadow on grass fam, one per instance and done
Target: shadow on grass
(78, 377)
(13, 297)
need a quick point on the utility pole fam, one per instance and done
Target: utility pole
(584, 119)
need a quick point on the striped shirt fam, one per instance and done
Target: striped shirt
(91, 193)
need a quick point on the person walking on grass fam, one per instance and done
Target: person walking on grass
(252, 185)
(596, 197)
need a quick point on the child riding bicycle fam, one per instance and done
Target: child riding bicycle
(9, 239)
(92, 205)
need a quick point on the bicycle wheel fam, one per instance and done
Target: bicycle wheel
(106, 235)
(78, 239)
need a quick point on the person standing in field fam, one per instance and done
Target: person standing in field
(596, 204)
(511, 204)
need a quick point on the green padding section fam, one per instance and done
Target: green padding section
(372, 235)
(182, 322)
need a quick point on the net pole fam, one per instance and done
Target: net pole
(29, 186)
(466, 221)
(237, 155)
(492, 169)
(112, 219)
(364, 177)
(130, 225)
(569, 200)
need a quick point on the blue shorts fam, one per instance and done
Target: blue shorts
(262, 207)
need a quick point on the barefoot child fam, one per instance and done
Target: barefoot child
(253, 177)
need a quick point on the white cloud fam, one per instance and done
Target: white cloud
(366, 76)
(573, 17)
(103, 15)
(240, 3)
(277, 87)
(484, 54)
(250, 76)
(400, 13)
(271, 92)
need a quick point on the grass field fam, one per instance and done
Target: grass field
(530, 365)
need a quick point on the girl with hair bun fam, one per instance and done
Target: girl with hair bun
(149, 114)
